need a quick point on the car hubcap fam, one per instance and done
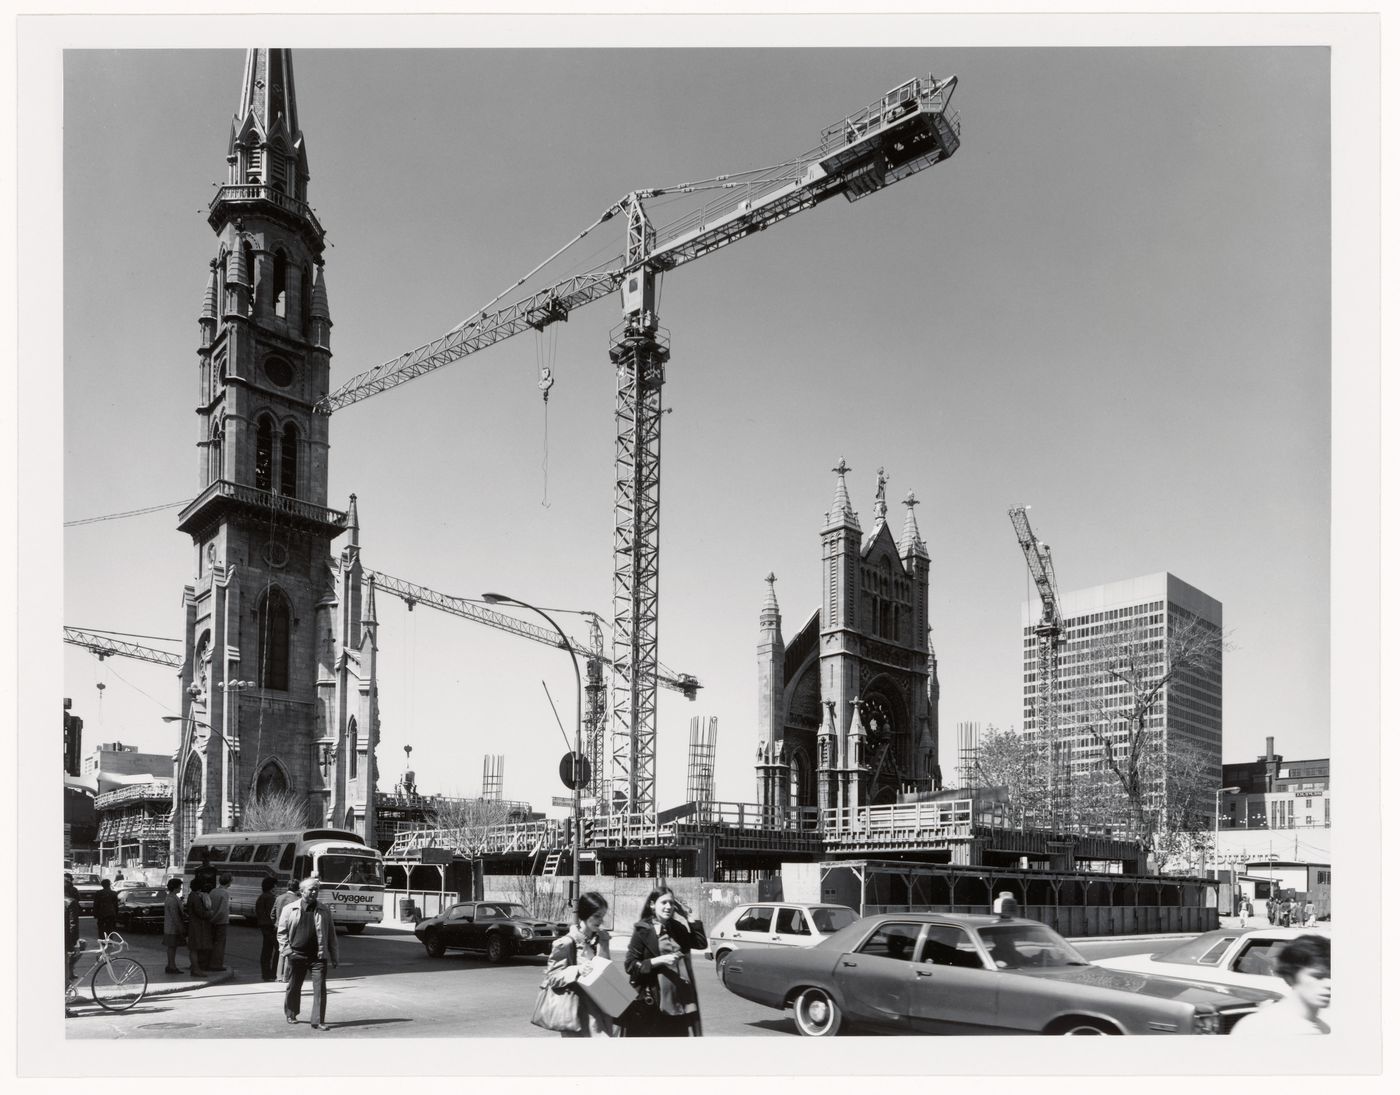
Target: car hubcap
(818, 1012)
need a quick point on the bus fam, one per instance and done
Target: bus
(351, 874)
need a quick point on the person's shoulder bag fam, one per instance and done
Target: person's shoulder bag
(557, 1009)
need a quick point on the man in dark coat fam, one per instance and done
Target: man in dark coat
(104, 909)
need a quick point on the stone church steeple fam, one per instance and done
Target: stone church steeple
(257, 635)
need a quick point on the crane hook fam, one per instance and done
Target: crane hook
(546, 381)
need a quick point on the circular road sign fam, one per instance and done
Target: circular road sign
(573, 770)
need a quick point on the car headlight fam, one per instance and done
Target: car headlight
(523, 931)
(1206, 1023)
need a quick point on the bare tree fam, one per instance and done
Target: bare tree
(468, 819)
(1125, 678)
(274, 811)
(1011, 760)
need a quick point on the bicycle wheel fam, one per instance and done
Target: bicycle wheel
(119, 983)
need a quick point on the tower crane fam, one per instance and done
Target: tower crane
(413, 594)
(1047, 634)
(904, 132)
(104, 646)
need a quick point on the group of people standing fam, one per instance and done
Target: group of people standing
(200, 922)
(657, 963)
(1287, 913)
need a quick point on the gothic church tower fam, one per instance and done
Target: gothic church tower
(278, 688)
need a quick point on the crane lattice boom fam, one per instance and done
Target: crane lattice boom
(105, 646)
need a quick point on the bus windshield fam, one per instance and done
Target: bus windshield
(353, 869)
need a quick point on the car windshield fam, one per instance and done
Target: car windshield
(1028, 946)
(1204, 948)
(832, 920)
(517, 911)
(356, 870)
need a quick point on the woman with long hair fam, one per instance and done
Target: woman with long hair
(571, 957)
(658, 962)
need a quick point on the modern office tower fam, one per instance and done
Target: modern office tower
(1153, 610)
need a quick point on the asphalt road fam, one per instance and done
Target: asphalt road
(387, 987)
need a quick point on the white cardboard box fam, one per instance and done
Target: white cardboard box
(606, 984)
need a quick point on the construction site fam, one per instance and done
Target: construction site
(847, 766)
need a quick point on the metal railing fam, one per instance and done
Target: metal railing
(938, 820)
(265, 499)
(257, 192)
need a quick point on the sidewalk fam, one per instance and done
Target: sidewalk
(146, 948)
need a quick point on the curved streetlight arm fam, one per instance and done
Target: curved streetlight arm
(501, 598)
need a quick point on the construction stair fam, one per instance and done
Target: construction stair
(551, 864)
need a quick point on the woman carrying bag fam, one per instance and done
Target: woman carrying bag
(658, 962)
(569, 959)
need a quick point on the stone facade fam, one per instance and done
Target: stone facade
(848, 707)
(279, 682)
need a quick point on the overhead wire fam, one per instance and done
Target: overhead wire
(126, 513)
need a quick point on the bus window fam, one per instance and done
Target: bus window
(302, 866)
(268, 853)
(241, 853)
(287, 853)
(355, 870)
(214, 853)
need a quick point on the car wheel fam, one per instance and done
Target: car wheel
(1084, 1026)
(434, 945)
(496, 949)
(816, 1013)
(354, 929)
(721, 964)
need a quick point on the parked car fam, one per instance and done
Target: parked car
(87, 886)
(774, 924)
(141, 909)
(936, 973)
(130, 884)
(1237, 957)
(500, 929)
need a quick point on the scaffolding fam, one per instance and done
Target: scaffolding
(493, 774)
(700, 773)
(969, 735)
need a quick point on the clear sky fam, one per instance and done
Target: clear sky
(1112, 304)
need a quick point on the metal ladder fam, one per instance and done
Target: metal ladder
(551, 864)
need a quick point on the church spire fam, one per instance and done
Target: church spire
(841, 512)
(269, 92)
(910, 542)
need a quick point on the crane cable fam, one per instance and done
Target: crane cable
(546, 346)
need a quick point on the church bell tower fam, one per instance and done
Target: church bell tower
(272, 619)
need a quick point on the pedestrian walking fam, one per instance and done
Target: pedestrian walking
(174, 924)
(267, 925)
(293, 893)
(658, 963)
(199, 928)
(306, 936)
(104, 909)
(1305, 965)
(1246, 912)
(1309, 915)
(572, 956)
(218, 921)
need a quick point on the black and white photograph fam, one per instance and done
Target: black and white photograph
(997, 654)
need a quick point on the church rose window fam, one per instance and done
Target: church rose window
(278, 371)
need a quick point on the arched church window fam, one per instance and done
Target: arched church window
(305, 298)
(289, 461)
(216, 451)
(352, 737)
(262, 456)
(277, 168)
(271, 781)
(274, 640)
(254, 164)
(250, 271)
(279, 283)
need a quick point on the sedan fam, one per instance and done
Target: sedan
(1236, 957)
(774, 924)
(87, 886)
(937, 973)
(499, 929)
(142, 909)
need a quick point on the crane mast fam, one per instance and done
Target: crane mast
(1047, 634)
(905, 131)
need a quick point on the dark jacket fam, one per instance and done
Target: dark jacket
(104, 905)
(673, 990)
(262, 909)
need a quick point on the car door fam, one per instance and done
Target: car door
(456, 925)
(791, 927)
(875, 978)
(754, 927)
(953, 991)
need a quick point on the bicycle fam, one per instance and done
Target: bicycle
(116, 983)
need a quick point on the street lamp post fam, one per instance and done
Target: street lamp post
(1215, 844)
(178, 789)
(501, 598)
